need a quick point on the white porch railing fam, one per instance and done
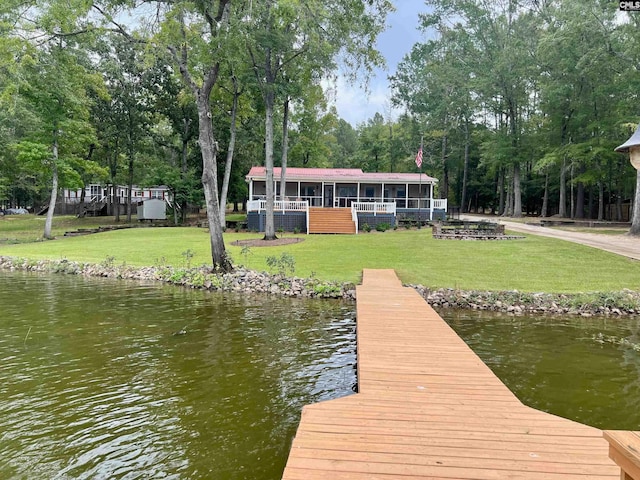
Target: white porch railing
(278, 205)
(374, 207)
(440, 204)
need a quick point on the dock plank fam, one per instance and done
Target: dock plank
(428, 407)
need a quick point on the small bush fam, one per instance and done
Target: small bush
(286, 263)
(187, 255)
(246, 252)
(383, 227)
(366, 227)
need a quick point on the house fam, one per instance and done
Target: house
(101, 199)
(342, 200)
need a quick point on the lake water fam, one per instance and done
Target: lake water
(585, 369)
(97, 384)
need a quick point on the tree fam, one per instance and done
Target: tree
(54, 84)
(196, 35)
(287, 34)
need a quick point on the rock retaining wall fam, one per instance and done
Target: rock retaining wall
(626, 302)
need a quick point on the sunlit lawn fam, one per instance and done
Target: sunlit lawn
(532, 264)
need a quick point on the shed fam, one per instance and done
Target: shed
(152, 209)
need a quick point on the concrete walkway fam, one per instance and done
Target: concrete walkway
(619, 244)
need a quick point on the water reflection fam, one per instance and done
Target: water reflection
(101, 388)
(558, 364)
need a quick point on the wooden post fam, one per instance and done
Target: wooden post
(624, 449)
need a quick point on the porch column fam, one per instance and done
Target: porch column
(431, 202)
(382, 193)
(251, 189)
(358, 193)
(406, 195)
(298, 189)
(322, 195)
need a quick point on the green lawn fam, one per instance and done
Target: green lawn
(29, 228)
(532, 264)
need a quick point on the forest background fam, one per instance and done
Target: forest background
(519, 104)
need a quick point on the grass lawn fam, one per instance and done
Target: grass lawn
(534, 264)
(29, 228)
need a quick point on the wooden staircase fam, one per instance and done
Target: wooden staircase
(331, 220)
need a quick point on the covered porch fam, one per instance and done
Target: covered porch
(372, 197)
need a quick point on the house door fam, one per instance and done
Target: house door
(328, 196)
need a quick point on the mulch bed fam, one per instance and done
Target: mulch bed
(259, 242)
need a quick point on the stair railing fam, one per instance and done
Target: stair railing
(354, 215)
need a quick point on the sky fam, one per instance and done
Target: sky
(352, 102)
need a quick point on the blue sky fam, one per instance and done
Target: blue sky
(352, 102)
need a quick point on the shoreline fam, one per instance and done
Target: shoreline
(620, 303)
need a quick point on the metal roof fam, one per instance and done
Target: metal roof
(344, 175)
(634, 141)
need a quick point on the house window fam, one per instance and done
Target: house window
(347, 192)
(401, 193)
(156, 194)
(369, 192)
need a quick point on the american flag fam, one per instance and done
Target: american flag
(419, 158)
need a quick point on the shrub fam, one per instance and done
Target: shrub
(383, 227)
(285, 263)
(366, 227)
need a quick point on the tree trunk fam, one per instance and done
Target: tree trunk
(113, 170)
(501, 208)
(600, 200)
(572, 204)
(465, 170)
(545, 197)
(184, 205)
(54, 189)
(230, 150)
(445, 169)
(635, 220)
(83, 194)
(209, 150)
(562, 207)
(129, 184)
(508, 207)
(517, 195)
(269, 228)
(580, 200)
(285, 150)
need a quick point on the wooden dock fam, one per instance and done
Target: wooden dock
(428, 407)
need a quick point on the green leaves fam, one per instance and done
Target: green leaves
(33, 155)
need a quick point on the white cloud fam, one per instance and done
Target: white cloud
(353, 103)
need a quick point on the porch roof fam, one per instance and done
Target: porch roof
(342, 175)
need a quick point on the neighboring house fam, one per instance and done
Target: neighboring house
(342, 200)
(102, 199)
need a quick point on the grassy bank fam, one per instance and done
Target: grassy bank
(535, 264)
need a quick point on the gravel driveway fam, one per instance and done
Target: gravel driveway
(625, 245)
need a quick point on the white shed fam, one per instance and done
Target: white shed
(152, 209)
